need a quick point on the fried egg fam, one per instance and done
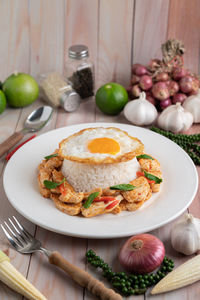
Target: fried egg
(100, 145)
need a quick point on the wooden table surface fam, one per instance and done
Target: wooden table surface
(35, 36)
(53, 283)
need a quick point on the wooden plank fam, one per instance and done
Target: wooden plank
(183, 25)
(115, 36)
(150, 29)
(14, 55)
(46, 32)
(80, 14)
(52, 282)
(114, 51)
(182, 19)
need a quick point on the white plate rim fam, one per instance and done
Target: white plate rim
(100, 234)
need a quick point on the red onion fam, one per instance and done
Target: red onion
(136, 91)
(189, 84)
(173, 88)
(193, 93)
(160, 90)
(135, 79)
(134, 67)
(165, 103)
(179, 98)
(178, 73)
(154, 63)
(142, 254)
(162, 77)
(151, 99)
(129, 89)
(139, 69)
(145, 82)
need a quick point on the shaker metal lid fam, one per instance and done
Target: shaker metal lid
(78, 51)
(70, 101)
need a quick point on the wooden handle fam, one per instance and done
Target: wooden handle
(10, 142)
(83, 278)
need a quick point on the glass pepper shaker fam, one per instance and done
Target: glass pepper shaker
(79, 71)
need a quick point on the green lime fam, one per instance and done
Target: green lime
(20, 89)
(111, 98)
(2, 102)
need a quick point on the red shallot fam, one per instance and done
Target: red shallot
(179, 98)
(178, 73)
(136, 91)
(139, 69)
(165, 103)
(160, 91)
(142, 254)
(162, 77)
(135, 79)
(173, 88)
(150, 98)
(189, 84)
(145, 82)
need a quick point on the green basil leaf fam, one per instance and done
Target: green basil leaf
(144, 156)
(123, 187)
(52, 185)
(50, 156)
(90, 199)
(152, 177)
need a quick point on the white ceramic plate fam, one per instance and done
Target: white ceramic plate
(178, 188)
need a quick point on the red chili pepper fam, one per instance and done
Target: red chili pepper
(139, 173)
(62, 189)
(106, 199)
(8, 156)
(97, 200)
(111, 205)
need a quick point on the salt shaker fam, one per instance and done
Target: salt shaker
(55, 91)
(79, 71)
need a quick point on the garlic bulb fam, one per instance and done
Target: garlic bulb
(140, 111)
(185, 235)
(192, 104)
(175, 118)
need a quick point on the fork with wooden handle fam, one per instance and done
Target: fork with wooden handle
(25, 243)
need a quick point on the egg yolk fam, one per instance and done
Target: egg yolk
(104, 145)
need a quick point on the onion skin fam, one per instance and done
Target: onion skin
(145, 82)
(162, 77)
(134, 67)
(160, 90)
(173, 88)
(179, 73)
(135, 79)
(151, 99)
(179, 98)
(189, 84)
(165, 103)
(136, 91)
(139, 70)
(142, 254)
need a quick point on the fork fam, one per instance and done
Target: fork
(25, 243)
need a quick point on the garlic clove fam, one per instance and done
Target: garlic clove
(192, 104)
(175, 118)
(185, 235)
(140, 111)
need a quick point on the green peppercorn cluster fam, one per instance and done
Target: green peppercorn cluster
(187, 142)
(129, 284)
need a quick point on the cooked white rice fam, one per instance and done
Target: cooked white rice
(86, 177)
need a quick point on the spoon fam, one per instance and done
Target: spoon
(34, 122)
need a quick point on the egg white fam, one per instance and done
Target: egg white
(77, 145)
